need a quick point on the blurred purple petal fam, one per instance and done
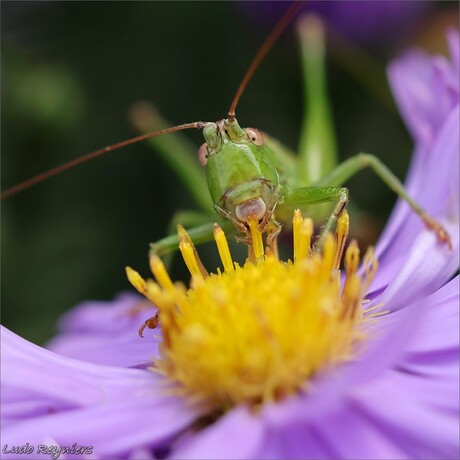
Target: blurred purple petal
(427, 266)
(363, 21)
(429, 101)
(409, 418)
(454, 49)
(434, 182)
(426, 89)
(113, 429)
(65, 382)
(106, 333)
(45, 394)
(103, 317)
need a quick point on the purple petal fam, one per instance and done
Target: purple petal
(350, 435)
(27, 367)
(294, 441)
(134, 352)
(438, 321)
(369, 22)
(106, 333)
(114, 430)
(238, 434)
(101, 317)
(47, 396)
(453, 41)
(434, 183)
(409, 418)
(426, 89)
(426, 267)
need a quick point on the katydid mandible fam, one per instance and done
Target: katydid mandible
(250, 176)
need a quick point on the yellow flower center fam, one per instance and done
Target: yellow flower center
(257, 333)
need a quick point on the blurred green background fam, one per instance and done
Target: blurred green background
(70, 73)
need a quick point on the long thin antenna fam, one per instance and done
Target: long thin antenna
(52, 172)
(267, 44)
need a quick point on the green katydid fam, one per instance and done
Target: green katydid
(249, 176)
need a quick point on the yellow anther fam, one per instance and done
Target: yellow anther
(297, 222)
(306, 232)
(136, 280)
(160, 273)
(341, 234)
(328, 253)
(302, 230)
(352, 257)
(154, 292)
(257, 243)
(190, 259)
(370, 264)
(153, 288)
(351, 295)
(222, 247)
(183, 235)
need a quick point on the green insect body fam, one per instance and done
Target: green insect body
(242, 176)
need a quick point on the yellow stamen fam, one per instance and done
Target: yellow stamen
(341, 234)
(328, 253)
(183, 235)
(140, 284)
(297, 222)
(352, 257)
(222, 247)
(257, 243)
(302, 230)
(260, 332)
(370, 264)
(136, 280)
(160, 273)
(189, 258)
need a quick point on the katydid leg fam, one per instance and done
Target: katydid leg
(199, 234)
(354, 164)
(316, 195)
(273, 230)
(188, 219)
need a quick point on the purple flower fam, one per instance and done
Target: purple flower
(398, 400)
(362, 21)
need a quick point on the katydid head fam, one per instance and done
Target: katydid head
(222, 132)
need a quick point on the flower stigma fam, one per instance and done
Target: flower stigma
(256, 333)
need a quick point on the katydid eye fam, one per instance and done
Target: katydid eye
(255, 136)
(203, 154)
